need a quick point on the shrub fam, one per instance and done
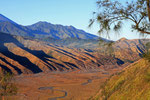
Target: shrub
(7, 88)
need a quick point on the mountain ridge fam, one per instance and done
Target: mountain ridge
(21, 55)
(5, 19)
(43, 29)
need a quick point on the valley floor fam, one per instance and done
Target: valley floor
(77, 85)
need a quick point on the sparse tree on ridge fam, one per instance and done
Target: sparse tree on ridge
(112, 14)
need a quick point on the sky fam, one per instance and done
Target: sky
(66, 12)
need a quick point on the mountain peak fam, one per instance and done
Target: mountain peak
(41, 22)
(5, 19)
(43, 29)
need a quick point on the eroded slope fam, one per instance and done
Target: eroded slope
(24, 55)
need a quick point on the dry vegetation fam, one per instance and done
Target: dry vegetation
(75, 84)
(130, 84)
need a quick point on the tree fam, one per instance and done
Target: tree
(107, 48)
(112, 14)
(6, 86)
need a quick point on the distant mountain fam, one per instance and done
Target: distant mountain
(15, 29)
(5, 19)
(74, 42)
(60, 31)
(43, 30)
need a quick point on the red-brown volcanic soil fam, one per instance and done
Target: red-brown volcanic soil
(27, 56)
(49, 72)
(76, 85)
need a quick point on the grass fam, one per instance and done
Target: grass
(70, 82)
(7, 88)
(147, 76)
(107, 91)
(133, 83)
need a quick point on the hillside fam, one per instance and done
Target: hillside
(130, 49)
(124, 49)
(26, 55)
(130, 84)
(43, 30)
(74, 42)
(17, 54)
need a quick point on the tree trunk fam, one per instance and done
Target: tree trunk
(148, 9)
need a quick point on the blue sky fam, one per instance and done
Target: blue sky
(66, 12)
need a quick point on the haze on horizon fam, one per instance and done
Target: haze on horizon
(66, 12)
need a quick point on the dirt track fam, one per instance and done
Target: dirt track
(52, 88)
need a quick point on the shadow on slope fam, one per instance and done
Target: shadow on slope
(17, 69)
(5, 38)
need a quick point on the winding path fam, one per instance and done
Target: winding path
(52, 88)
(65, 92)
(90, 80)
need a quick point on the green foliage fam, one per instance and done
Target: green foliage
(109, 49)
(6, 86)
(112, 14)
